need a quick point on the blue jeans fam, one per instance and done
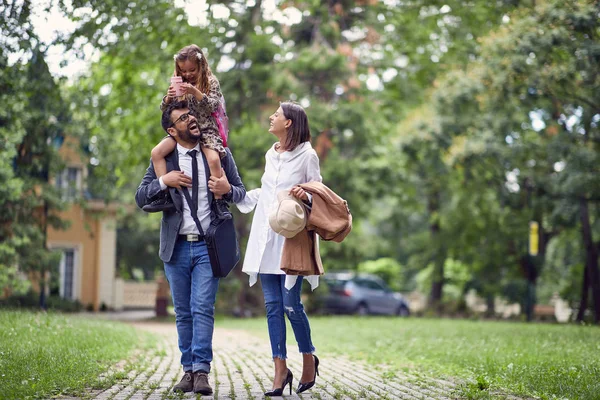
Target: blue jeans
(194, 290)
(279, 300)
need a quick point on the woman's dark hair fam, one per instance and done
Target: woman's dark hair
(299, 131)
(166, 115)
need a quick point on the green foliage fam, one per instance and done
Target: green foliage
(10, 278)
(447, 127)
(30, 300)
(32, 123)
(563, 269)
(137, 247)
(481, 167)
(482, 382)
(456, 278)
(321, 69)
(386, 268)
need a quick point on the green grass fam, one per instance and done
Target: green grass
(44, 355)
(543, 360)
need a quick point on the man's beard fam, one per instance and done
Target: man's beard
(187, 136)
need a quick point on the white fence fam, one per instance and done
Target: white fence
(139, 294)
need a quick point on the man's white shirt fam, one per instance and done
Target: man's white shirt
(185, 163)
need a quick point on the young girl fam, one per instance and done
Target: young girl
(203, 93)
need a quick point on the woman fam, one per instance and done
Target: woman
(291, 161)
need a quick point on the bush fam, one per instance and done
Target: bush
(59, 304)
(227, 296)
(386, 268)
(11, 278)
(313, 300)
(31, 300)
(28, 300)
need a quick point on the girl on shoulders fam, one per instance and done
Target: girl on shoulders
(202, 91)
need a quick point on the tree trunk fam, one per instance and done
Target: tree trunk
(585, 291)
(437, 278)
(44, 228)
(256, 13)
(436, 293)
(530, 271)
(532, 267)
(591, 259)
(491, 305)
(437, 281)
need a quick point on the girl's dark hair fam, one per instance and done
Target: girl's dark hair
(194, 53)
(299, 131)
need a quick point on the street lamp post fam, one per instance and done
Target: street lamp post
(531, 270)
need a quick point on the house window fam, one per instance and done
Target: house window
(67, 274)
(69, 183)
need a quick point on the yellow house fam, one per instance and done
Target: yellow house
(88, 246)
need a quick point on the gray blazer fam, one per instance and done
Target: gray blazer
(171, 221)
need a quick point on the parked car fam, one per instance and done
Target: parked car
(362, 294)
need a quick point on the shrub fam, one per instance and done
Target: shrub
(60, 304)
(386, 268)
(313, 300)
(31, 300)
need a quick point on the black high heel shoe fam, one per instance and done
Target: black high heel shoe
(302, 387)
(279, 391)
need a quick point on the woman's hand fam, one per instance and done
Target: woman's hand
(193, 90)
(299, 193)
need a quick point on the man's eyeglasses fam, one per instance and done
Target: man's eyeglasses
(182, 117)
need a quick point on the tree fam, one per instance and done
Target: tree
(522, 118)
(426, 117)
(31, 126)
(554, 72)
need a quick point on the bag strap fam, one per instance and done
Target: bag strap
(193, 211)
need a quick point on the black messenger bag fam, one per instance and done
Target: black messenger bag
(223, 247)
(221, 241)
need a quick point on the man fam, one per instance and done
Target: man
(182, 249)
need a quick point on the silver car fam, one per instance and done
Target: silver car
(363, 294)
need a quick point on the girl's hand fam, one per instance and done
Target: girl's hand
(193, 90)
(298, 193)
(171, 93)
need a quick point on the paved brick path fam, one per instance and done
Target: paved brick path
(242, 369)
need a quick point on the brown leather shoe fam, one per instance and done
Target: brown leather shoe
(186, 384)
(201, 384)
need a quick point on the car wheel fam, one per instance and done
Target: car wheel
(362, 309)
(403, 311)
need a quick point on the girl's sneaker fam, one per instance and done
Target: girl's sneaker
(221, 209)
(162, 203)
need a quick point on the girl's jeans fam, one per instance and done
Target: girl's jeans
(279, 300)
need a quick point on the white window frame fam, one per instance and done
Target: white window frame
(62, 183)
(75, 273)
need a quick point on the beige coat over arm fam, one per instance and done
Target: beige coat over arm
(330, 218)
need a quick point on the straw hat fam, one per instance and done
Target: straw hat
(289, 217)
